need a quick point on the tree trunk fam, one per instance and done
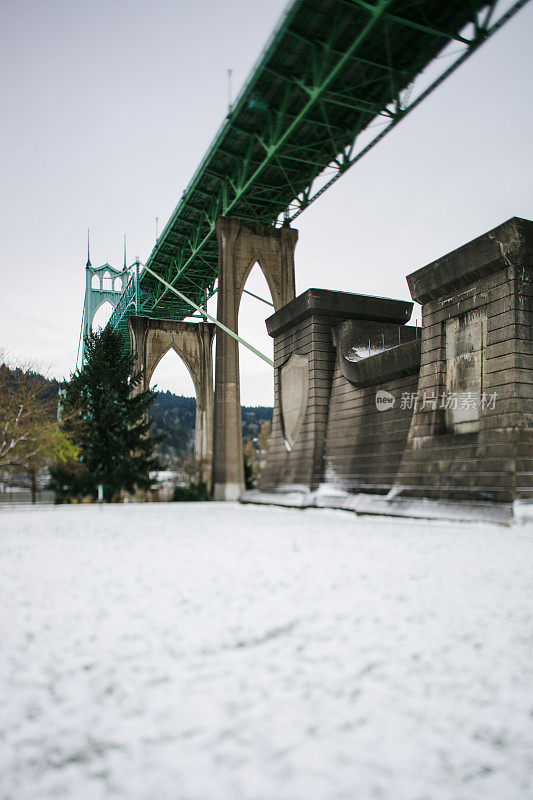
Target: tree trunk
(33, 479)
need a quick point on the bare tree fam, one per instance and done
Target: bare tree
(29, 434)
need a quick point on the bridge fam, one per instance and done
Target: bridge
(334, 79)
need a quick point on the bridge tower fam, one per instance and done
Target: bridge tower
(102, 284)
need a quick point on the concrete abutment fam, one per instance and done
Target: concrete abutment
(366, 405)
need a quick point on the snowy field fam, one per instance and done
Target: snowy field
(220, 652)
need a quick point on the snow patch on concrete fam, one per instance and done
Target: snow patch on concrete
(391, 504)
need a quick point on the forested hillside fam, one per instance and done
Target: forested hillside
(174, 416)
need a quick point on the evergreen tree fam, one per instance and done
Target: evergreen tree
(106, 415)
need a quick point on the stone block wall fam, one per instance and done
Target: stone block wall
(370, 411)
(363, 403)
(472, 431)
(305, 357)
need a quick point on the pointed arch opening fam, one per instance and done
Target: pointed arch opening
(118, 285)
(107, 282)
(175, 408)
(95, 282)
(102, 315)
(256, 377)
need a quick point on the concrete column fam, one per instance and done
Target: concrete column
(240, 246)
(193, 342)
(203, 435)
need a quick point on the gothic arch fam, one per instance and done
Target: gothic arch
(242, 245)
(151, 339)
(104, 302)
(243, 280)
(183, 359)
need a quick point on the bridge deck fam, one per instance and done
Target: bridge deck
(332, 68)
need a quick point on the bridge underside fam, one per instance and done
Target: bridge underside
(336, 76)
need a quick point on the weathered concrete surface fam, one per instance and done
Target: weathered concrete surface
(308, 413)
(477, 342)
(361, 406)
(151, 339)
(465, 347)
(398, 358)
(241, 245)
(335, 305)
(365, 437)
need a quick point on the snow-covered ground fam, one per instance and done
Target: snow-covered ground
(221, 652)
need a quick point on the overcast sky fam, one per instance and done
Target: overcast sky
(108, 107)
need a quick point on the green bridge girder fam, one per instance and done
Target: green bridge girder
(332, 69)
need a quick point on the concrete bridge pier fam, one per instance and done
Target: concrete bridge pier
(151, 339)
(240, 246)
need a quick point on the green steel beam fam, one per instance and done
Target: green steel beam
(267, 302)
(205, 315)
(417, 26)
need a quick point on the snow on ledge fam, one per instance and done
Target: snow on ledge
(328, 496)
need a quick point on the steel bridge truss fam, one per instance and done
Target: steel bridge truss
(335, 78)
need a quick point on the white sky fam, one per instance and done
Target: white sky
(108, 107)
